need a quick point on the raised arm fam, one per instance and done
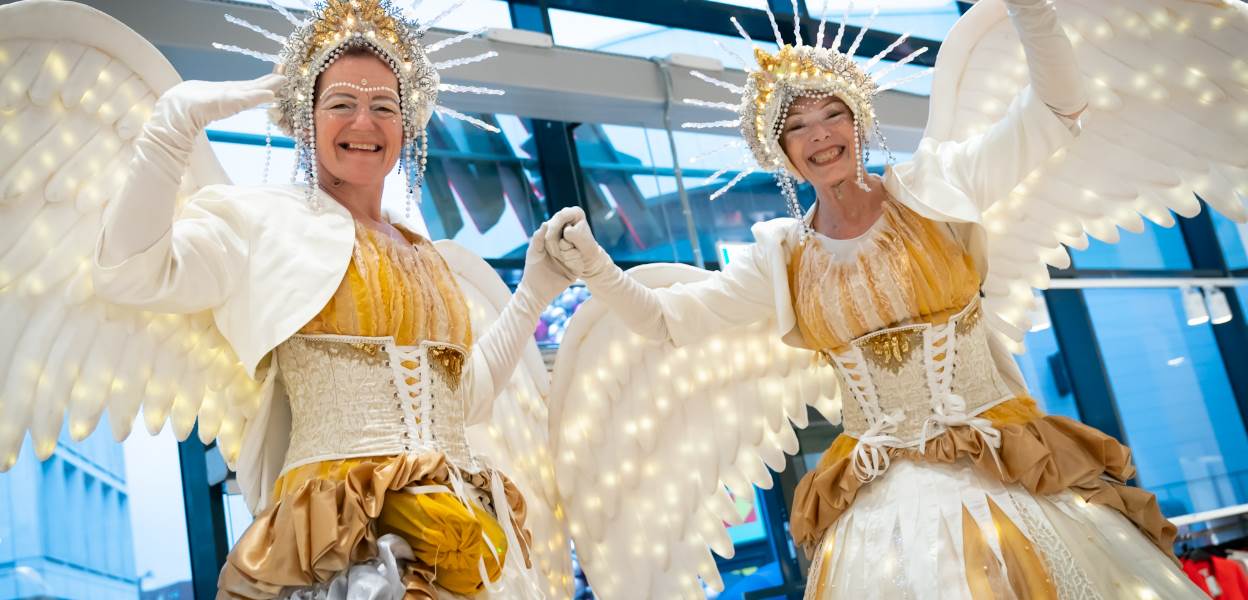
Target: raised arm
(143, 256)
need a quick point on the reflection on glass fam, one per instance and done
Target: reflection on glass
(1044, 370)
(630, 187)
(97, 519)
(1156, 248)
(481, 189)
(553, 322)
(634, 204)
(1176, 406)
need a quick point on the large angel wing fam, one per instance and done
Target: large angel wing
(515, 438)
(75, 88)
(1168, 118)
(650, 439)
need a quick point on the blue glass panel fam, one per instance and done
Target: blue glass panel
(1156, 248)
(1233, 237)
(1173, 398)
(1044, 370)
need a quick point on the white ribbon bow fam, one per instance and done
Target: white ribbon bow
(952, 412)
(870, 455)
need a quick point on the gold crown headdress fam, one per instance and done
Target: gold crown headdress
(335, 26)
(796, 71)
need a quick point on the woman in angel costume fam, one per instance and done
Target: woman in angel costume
(948, 481)
(353, 449)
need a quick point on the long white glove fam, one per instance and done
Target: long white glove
(543, 279)
(637, 305)
(143, 211)
(1055, 75)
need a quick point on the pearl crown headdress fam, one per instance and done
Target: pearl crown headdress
(332, 28)
(796, 71)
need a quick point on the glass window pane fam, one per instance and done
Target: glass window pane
(481, 189)
(469, 16)
(929, 19)
(1233, 237)
(1044, 370)
(634, 38)
(1156, 248)
(97, 519)
(631, 189)
(1177, 409)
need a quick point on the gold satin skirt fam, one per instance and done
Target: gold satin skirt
(329, 515)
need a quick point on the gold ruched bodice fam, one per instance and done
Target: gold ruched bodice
(905, 269)
(896, 312)
(393, 289)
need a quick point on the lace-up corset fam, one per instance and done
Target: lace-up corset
(356, 396)
(907, 384)
(896, 311)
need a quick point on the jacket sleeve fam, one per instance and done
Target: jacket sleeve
(986, 167)
(740, 294)
(194, 265)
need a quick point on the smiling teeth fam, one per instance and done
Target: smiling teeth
(827, 156)
(369, 147)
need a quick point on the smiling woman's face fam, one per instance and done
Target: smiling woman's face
(818, 138)
(359, 130)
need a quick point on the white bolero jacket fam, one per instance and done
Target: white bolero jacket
(265, 263)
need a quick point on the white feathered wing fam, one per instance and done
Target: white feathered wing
(649, 440)
(76, 86)
(515, 438)
(1168, 119)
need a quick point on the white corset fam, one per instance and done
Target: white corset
(356, 396)
(909, 384)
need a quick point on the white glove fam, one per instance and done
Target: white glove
(143, 210)
(1055, 75)
(543, 279)
(636, 305)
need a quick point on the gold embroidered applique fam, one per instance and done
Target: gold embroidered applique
(891, 349)
(447, 361)
(968, 321)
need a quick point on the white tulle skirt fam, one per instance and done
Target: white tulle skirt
(944, 532)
